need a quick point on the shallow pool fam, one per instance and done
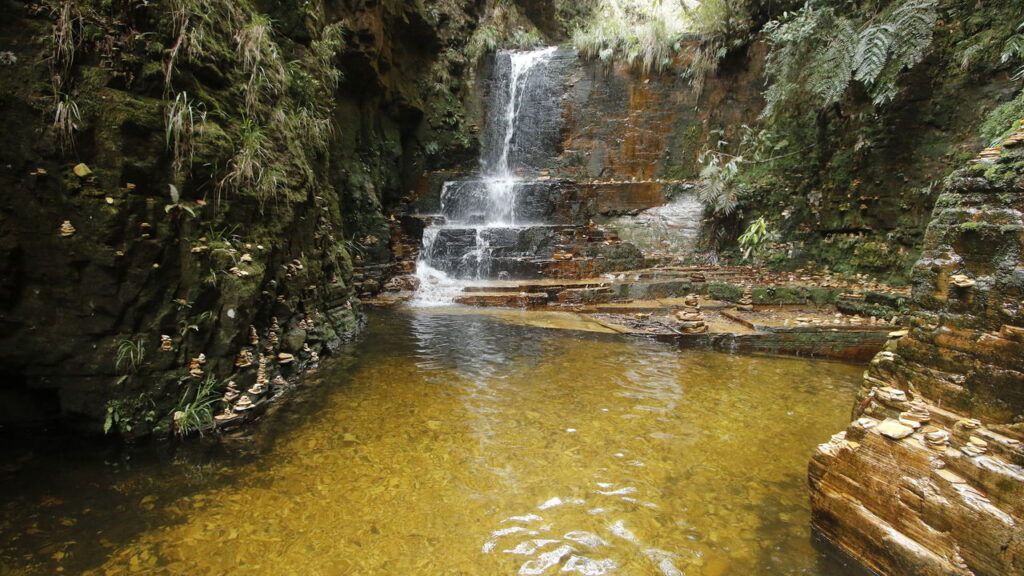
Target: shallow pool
(444, 444)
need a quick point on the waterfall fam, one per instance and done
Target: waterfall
(487, 217)
(500, 177)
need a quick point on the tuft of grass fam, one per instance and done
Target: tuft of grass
(318, 130)
(130, 354)
(261, 60)
(645, 35)
(330, 44)
(194, 411)
(180, 121)
(65, 121)
(194, 23)
(65, 38)
(246, 167)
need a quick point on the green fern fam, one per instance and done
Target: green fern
(1013, 50)
(912, 26)
(835, 63)
(817, 51)
(872, 53)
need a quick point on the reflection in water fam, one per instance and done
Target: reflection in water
(459, 444)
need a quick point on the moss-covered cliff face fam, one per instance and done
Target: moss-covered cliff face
(851, 186)
(191, 170)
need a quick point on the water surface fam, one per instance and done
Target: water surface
(459, 444)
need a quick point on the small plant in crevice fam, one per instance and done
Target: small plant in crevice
(180, 119)
(66, 118)
(185, 326)
(193, 324)
(356, 249)
(212, 277)
(220, 234)
(194, 410)
(176, 204)
(126, 413)
(130, 354)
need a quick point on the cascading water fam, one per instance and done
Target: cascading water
(487, 221)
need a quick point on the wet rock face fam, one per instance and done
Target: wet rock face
(109, 287)
(944, 495)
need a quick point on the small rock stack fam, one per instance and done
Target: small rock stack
(991, 154)
(916, 416)
(691, 321)
(195, 366)
(244, 359)
(746, 301)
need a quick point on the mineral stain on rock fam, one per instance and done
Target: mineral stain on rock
(597, 227)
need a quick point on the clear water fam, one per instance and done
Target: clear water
(454, 443)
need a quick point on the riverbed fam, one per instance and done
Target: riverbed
(447, 443)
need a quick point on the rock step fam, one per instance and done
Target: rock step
(538, 287)
(585, 295)
(504, 299)
(575, 268)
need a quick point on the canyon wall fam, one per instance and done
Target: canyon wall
(185, 180)
(853, 191)
(928, 479)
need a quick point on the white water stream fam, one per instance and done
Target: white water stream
(492, 203)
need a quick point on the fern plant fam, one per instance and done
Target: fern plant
(817, 52)
(1013, 51)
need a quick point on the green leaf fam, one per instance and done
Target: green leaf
(872, 52)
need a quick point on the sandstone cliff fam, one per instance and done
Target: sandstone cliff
(929, 477)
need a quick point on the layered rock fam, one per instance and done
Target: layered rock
(929, 477)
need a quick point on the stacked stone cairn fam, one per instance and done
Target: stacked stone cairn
(746, 301)
(690, 319)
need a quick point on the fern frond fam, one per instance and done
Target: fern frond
(885, 87)
(872, 52)
(833, 66)
(912, 26)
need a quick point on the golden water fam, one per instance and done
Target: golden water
(465, 445)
